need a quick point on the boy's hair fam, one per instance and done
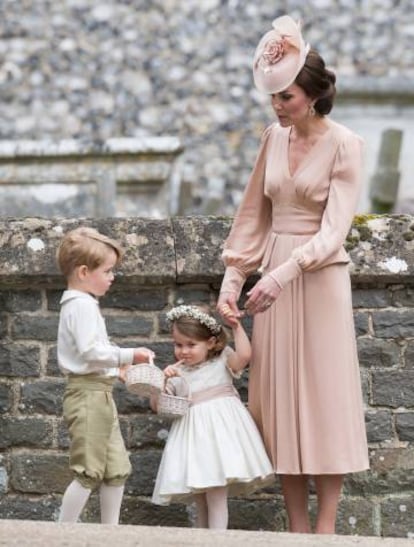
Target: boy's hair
(85, 246)
(193, 328)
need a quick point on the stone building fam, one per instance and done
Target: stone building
(93, 70)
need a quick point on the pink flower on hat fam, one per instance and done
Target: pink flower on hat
(274, 50)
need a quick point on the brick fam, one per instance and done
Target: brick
(141, 299)
(6, 397)
(17, 301)
(393, 388)
(144, 471)
(53, 299)
(18, 360)
(371, 298)
(376, 352)
(4, 481)
(148, 431)
(379, 426)
(3, 325)
(128, 325)
(404, 424)
(35, 327)
(39, 473)
(397, 516)
(191, 295)
(393, 323)
(43, 397)
(26, 432)
(62, 435)
(22, 508)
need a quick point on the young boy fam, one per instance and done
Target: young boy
(91, 364)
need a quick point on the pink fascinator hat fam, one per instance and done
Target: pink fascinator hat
(280, 56)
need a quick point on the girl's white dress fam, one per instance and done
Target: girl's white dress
(215, 444)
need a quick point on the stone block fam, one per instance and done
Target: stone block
(25, 432)
(397, 516)
(139, 511)
(404, 424)
(141, 300)
(192, 295)
(148, 431)
(356, 517)
(409, 354)
(35, 327)
(395, 323)
(371, 298)
(4, 481)
(3, 325)
(52, 368)
(403, 298)
(144, 471)
(377, 352)
(53, 299)
(257, 514)
(198, 245)
(379, 426)
(361, 323)
(131, 325)
(34, 473)
(23, 508)
(62, 435)
(6, 398)
(18, 301)
(393, 388)
(129, 403)
(391, 472)
(43, 397)
(18, 360)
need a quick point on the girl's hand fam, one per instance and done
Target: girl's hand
(122, 372)
(172, 370)
(262, 295)
(143, 355)
(227, 308)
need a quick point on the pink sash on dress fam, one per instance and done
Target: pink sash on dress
(215, 392)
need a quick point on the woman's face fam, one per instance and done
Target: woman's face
(291, 105)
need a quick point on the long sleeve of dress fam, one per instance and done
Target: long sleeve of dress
(336, 221)
(246, 243)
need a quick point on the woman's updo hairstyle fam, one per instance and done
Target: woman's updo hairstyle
(317, 82)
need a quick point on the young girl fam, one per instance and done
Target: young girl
(215, 449)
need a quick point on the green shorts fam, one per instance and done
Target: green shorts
(97, 449)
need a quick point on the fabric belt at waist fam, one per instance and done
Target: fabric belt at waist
(91, 382)
(215, 392)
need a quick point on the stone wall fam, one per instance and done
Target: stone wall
(95, 70)
(178, 260)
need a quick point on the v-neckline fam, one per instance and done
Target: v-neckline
(308, 154)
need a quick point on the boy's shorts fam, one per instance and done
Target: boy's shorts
(97, 449)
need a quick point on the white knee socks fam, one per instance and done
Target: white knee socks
(110, 499)
(73, 502)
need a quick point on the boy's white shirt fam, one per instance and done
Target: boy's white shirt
(83, 344)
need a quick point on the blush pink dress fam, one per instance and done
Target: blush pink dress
(304, 380)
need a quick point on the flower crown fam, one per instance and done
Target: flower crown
(194, 312)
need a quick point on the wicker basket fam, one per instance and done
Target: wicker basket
(172, 406)
(144, 380)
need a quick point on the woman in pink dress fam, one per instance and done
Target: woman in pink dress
(304, 381)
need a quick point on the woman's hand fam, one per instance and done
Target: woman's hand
(262, 295)
(228, 309)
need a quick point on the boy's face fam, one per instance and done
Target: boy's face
(99, 280)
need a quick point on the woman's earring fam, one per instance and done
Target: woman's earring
(312, 111)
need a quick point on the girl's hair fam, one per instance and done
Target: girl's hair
(85, 247)
(190, 326)
(317, 82)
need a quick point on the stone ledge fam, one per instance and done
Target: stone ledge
(188, 249)
(36, 533)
